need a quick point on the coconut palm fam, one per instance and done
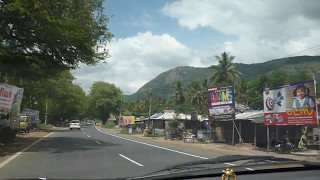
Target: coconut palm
(225, 71)
(197, 93)
(178, 93)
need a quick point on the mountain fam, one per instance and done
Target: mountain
(163, 84)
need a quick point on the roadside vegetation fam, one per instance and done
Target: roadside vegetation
(109, 125)
(44, 127)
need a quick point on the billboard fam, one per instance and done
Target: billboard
(33, 113)
(128, 120)
(221, 103)
(292, 104)
(10, 98)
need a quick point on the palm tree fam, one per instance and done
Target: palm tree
(178, 93)
(225, 71)
(198, 94)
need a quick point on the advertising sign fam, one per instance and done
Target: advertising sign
(10, 98)
(128, 120)
(292, 104)
(33, 113)
(221, 101)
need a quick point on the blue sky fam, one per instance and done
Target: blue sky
(153, 36)
(129, 17)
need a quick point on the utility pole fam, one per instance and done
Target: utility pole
(150, 101)
(45, 118)
(120, 110)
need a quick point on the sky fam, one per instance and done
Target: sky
(154, 36)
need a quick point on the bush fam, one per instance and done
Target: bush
(173, 124)
(109, 125)
(43, 126)
(124, 131)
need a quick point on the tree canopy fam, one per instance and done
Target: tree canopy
(104, 99)
(39, 38)
(225, 71)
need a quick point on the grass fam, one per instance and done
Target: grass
(44, 127)
(124, 132)
(109, 125)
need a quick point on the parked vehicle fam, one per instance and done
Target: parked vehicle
(25, 123)
(285, 148)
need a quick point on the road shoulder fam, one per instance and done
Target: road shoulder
(22, 141)
(218, 149)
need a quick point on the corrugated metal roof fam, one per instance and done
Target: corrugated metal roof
(256, 116)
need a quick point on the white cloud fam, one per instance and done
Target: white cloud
(136, 60)
(264, 29)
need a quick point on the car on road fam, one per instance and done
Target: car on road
(75, 124)
(88, 123)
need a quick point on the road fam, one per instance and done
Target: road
(92, 154)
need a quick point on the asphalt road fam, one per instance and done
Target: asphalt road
(91, 154)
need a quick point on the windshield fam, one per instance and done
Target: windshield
(106, 89)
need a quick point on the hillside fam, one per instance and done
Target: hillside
(163, 85)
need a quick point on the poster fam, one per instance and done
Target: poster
(128, 120)
(222, 104)
(292, 104)
(10, 98)
(33, 113)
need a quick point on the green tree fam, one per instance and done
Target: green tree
(254, 93)
(104, 99)
(225, 72)
(301, 76)
(40, 38)
(241, 92)
(278, 78)
(178, 93)
(197, 95)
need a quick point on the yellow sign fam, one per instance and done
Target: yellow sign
(128, 120)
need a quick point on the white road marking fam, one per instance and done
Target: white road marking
(131, 160)
(187, 154)
(230, 164)
(250, 169)
(98, 142)
(88, 136)
(18, 153)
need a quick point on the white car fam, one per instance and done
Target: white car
(88, 123)
(75, 124)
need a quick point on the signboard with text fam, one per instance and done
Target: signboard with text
(128, 120)
(33, 113)
(221, 101)
(292, 104)
(10, 98)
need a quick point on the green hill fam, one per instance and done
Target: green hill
(163, 84)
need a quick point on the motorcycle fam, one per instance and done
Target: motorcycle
(284, 148)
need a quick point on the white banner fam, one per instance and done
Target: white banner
(10, 98)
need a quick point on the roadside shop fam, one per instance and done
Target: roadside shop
(292, 111)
